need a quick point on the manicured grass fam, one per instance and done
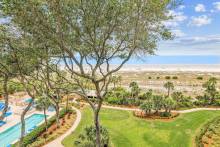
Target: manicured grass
(126, 130)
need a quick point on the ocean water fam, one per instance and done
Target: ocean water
(173, 60)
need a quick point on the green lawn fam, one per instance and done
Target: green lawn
(129, 131)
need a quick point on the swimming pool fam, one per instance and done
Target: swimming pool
(13, 133)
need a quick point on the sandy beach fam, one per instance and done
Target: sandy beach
(209, 68)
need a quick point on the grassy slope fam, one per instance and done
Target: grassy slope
(126, 130)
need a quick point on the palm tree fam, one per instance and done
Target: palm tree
(43, 103)
(169, 86)
(169, 104)
(135, 90)
(116, 80)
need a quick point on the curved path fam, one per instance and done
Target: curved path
(179, 111)
(58, 142)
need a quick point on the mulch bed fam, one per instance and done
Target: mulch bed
(154, 116)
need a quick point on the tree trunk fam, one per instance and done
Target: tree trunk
(97, 127)
(45, 118)
(5, 95)
(67, 103)
(168, 94)
(57, 114)
(23, 122)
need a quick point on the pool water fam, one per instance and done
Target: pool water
(13, 133)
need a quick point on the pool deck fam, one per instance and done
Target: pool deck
(15, 118)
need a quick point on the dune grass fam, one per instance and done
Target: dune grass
(127, 130)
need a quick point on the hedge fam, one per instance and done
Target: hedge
(32, 136)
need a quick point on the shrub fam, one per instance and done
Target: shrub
(149, 77)
(158, 77)
(206, 128)
(167, 77)
(88, 137)
(199, 78)
(175, 77)
(165, 114)
(114, 100)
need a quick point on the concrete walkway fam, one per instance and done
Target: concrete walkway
(179, 111)
(57, 142)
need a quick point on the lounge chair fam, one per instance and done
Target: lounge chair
(2, 123)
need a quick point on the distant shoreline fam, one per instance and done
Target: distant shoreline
(171, 67)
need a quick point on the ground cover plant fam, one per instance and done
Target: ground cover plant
(209, 135)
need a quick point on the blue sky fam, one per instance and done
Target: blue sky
(196, 25)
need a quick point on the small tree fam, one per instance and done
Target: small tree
(210, 89)
(158, 102)
(169, 86)
(88, 137)
(135, 90)
(147, 106)
(115, 81)
(177, 96)
(43, 103)
(169, 104)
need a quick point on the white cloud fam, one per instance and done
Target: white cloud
(177, 17)
(200, 8)
(178, 33)
(216, 6)
(181, 7)
(195, 45)
(209, 39)
(200, 21)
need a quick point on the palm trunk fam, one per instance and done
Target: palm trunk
(5, 95)
(168, 94)
(23, 123)
(45, 118)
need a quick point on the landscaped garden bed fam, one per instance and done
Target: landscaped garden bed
(39, 136)
(209, 135)
(159, 115)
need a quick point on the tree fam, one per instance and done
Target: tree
(169, 104)
(43, 103)
(177, 96)
(115, 80)
(169, 86)
(210, 89)
(90, 35)
(158, 102)
(24, 57)
(148, 95)
(88, 137)
(6, 68)
(147, 106)
(135, 90)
